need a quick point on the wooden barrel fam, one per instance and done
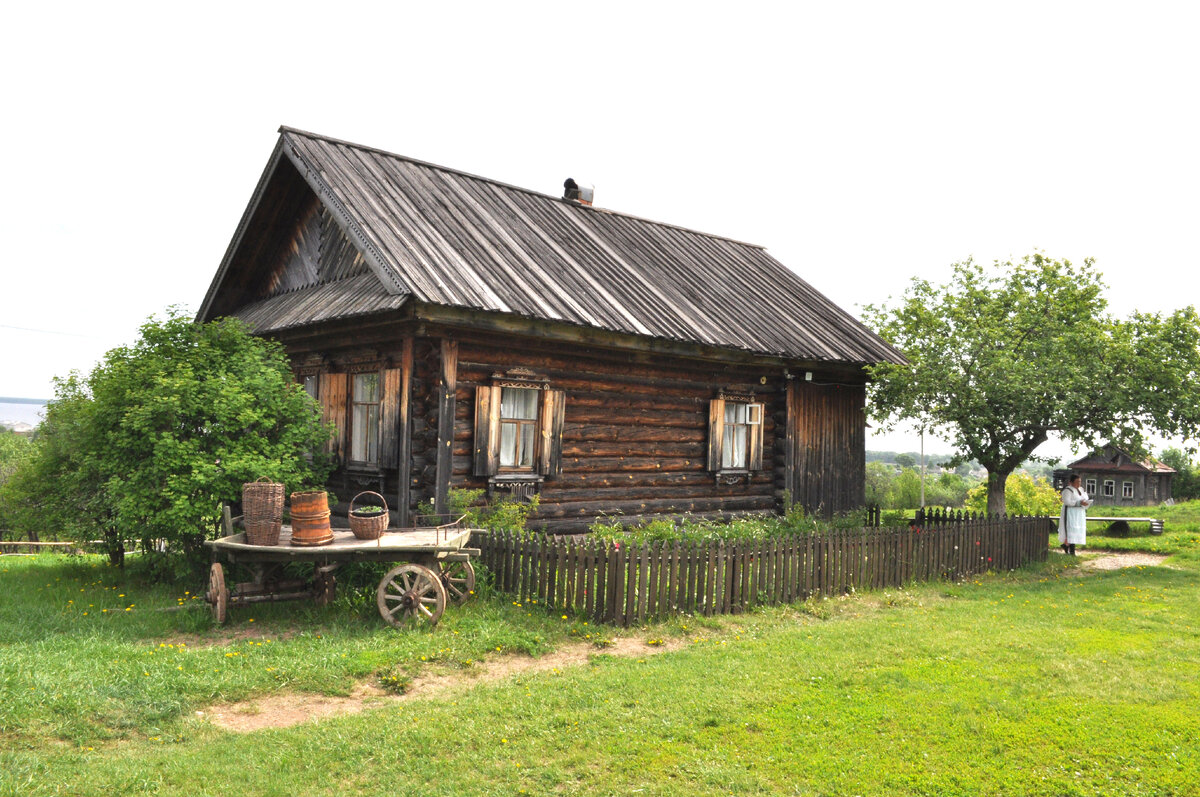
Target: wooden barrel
(311, 529)
(310, 519)
(309, 503)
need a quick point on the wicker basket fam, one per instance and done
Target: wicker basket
(368, 527)
(262, 511)
(262, 532)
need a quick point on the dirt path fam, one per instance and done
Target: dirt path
(1115, 560)
(283, 710)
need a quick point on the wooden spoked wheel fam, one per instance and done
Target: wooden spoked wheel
(411, 593)
(217, 595)
(459, 580)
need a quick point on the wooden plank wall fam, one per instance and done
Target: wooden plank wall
(829, 446)
(628, 584)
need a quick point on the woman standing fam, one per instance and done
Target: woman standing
(1072, 521)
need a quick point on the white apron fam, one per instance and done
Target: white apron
(1072, 523)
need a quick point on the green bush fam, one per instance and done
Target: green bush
(146, 448)
(14, 449)
(794, 521)
(1023, 495)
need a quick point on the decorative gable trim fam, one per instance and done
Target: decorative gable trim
(386, 274)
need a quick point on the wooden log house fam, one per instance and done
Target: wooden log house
(464, 333)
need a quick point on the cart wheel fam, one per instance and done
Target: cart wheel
(411, 592)
(459, 580)
(324, 587)
(217, 595)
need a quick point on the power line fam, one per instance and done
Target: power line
(47, 331)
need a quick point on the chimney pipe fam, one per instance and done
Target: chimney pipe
(575, 192)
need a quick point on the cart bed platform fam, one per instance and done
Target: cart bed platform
(391, 546)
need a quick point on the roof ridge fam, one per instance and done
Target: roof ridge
(501, 183)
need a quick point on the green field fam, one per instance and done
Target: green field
(1058, 679)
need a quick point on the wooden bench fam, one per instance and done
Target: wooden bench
(1156, 525)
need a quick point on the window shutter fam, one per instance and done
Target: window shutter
(487, 430)
(551, 420)
(332, 388)
(389, 417)
(716, 432)
(754, 455)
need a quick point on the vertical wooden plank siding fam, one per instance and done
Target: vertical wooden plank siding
(445, 438)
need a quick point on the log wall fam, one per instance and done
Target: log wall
(635, 434)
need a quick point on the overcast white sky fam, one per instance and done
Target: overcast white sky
(862, 143)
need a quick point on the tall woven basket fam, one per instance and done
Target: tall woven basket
(262, 511)
(369, 527)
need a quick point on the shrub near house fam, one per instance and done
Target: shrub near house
(1023, 495)
(147, 446)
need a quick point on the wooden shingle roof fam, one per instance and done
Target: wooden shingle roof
(443, 237)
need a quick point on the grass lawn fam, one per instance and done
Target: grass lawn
(1053, 680)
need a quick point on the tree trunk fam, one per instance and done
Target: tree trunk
(115, 547)
(995, 495)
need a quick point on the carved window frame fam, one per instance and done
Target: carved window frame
(721, 433)
(520, 481)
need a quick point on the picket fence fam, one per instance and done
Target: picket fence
(628, 584)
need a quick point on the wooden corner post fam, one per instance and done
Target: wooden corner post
(790, 451)
(404, 421)
(445, 440)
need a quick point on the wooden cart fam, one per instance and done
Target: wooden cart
(436, 569)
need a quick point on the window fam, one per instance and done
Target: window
(312, 386)
(364, 419)
(1127, 489)
(1109, 488)
(518, 427)
(1089, 486)
(518, 430)
(740, 422)
(735, 425)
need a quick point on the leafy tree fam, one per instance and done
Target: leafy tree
(147, 447)
(1001, 358)
(906, 460)
(14, 449)
(1185, 486)
(905, 491)
(1023, 493)
(878, 481)
(948, 489)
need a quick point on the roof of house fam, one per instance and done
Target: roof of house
(443, 237)
(1111, 459)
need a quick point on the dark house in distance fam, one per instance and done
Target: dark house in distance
(1111, 476)
(463, 333)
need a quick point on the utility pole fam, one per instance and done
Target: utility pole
(922, 467)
